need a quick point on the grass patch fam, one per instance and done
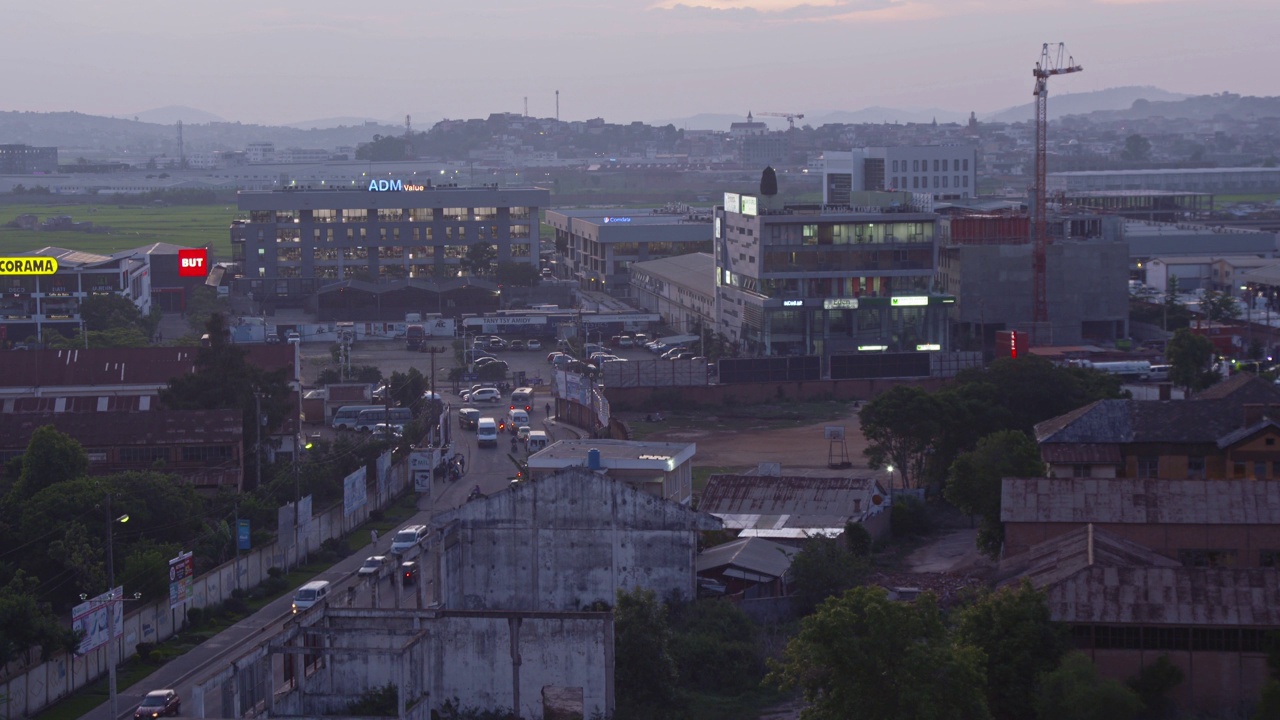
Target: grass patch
(131, 227)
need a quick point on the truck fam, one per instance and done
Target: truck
(1129, 369)
(414, 337)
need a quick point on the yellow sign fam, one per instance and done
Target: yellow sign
(35, 265)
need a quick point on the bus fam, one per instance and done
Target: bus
(369, 419)
(345, 417)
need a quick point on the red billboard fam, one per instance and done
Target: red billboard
(193, 262)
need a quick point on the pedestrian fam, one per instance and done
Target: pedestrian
(374, 535)
(548, 408)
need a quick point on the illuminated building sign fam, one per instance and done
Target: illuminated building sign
(840, 304)
(748, 205)
(732, 202)
(928, 346)
(609, 220)
(910, 301)
(394, 186)
(792, 303)
(193, 262)
(28, 265)
(872, 348)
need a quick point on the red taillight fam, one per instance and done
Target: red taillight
(527, 408)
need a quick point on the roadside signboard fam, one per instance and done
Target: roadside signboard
(181, 576)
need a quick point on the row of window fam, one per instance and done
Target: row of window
(389, 252)
(386, 235)
(922, 183)
(191, 453)
(328, 215)
(957, 165)
(1134, 637)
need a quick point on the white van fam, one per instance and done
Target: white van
(515, 418)
(487, 432)
(346, 416)
(313, 593)
(537, 441)
(408, 538)
(522, 396)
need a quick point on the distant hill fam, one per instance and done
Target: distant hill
(334, 122)
(818, 118)
(1117, 98)
(171, 114)
(1200, 107)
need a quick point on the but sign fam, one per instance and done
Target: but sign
(193, 262)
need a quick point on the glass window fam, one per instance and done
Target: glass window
(944, 180)
(915, 165)
(1195, 467)
(915, 182)
(1148, 466)
(895, 166)
(935, 166)
(1081, 471)
(966, 165)
(944, 166)
(966, 180)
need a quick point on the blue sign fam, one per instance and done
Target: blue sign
(242, 535)
(617, 220)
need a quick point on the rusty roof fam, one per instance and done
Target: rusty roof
(1140, 501)
(1065, 555)
(1167, 596)
(121, 366)
(789, 501)
(115, 429)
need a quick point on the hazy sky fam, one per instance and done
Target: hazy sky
(279, 61)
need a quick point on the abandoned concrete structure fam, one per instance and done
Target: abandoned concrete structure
(564, 542)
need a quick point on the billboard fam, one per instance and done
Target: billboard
(193, 262)
(354, 493)
(93, 617)
(421, 465)
(181, 576)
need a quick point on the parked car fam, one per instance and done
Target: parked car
(493, 363)
(534, 344)
(483, 395)
(626, 341)
(673, 352)
(158, 703)
(375, 565)
(517, 344)
(497, 343)
(551, 356)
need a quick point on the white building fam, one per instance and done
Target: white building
(661, 469)
(948, 172)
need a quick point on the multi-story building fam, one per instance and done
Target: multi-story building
(1201, 180)
(810, 279)
(33, 305)
(946, 172)
(295, 242)
(679, 289)
(28, 160)
(597, 247)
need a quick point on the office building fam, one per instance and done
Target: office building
(596, 247)
(810, 279)
(392, 230)
(28, 160)
(1237, 180)
(947, 172)
(33, 305)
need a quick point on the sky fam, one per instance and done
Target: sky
(284, 61)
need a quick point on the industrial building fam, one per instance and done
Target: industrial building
(34, 305)
(28, 160)
(947, 172)
(825, 279)
(596, 248)
(296, 242)
(986, 262)
(1237, 180)
(661, 469)
(1149, 240)
(677, 288)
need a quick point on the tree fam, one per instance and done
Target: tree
(1153, 684)
(1219, 306)
(480, 258)
(1189, 356)
(51, 457)
(900, 427)
(769, 182)
(862, 656)
(202, 304)
(714, 647)
(517, 274)
(407, 388)
(1074, 691)
(1172, 303)
(1136, 149)
(26, 622)
(1013, 629)
(644, 671)
(974, 486)
(823, 567)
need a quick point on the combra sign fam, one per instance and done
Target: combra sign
(28, 265)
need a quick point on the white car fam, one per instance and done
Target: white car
(533, 344)
(376, 565)
(483, 395)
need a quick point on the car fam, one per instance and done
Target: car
(639, 339)
(483, 395)
(562, 361)
(534, 344)
(522, 433)
(492, 364)
(158, 703)
(626, 342)
(468, 418)
(673, 352)
(551, 356)
(408, 572)
(293, 336)
(386, 431)
(273, 339)
(428, 395)
(497, 343)
(517, 344)
(481, 362)
(375, 565)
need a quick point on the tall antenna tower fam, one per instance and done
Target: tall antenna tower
(557, 106)
(408, 137)
(182, 154)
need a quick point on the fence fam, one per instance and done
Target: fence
(654, 373)
(25, 694)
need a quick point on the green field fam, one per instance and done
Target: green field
(131, 226)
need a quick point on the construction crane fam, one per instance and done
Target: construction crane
(791, 117)
(1050, 64)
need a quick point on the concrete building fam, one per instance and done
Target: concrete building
(296, 242)
(1238, 180)
(946, 172)
(820, 280)
(664, 470)
(596, 247)
(679, 289)
(33, 305)
(986, 263)
(563, 542)
(796, 506)
(28, 160)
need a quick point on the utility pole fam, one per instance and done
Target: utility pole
(257, 424)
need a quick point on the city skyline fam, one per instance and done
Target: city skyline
(632, 60)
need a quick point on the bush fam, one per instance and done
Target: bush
(144, 650)
(236, 606)
(909, 516)
(195, 617)
(857, 539)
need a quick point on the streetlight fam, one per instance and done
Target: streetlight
(111, 610)
(890, 469)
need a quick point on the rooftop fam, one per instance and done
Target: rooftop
(695, 270)
(153, 366)
(756, 555)
(1164, 171)
(635, 216)
(619, 454)
(114, 429)
(1140, 501)
(791, 505)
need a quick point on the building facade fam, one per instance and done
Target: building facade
(34, 305)
(679, 289)
(295, 242)
(28, 160)
(809, 279)
(1200, 180)
(947, 172)
(661, 469)
(596, 248)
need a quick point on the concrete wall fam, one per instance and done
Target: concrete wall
(754, 393)
(45, 683)
(564, 542)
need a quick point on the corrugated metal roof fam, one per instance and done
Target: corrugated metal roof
(755, 554)
(1065, 555)
(116, 429)
(813, 497)
(1168, 596)
(1134, 500)
(121, 366)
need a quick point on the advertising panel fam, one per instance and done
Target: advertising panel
(94, 616)
(193, 262)
(181, 576)
(354, 493)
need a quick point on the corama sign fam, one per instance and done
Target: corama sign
(394, 186)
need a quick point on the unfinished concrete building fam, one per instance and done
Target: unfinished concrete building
(565, 542)
(985, 261)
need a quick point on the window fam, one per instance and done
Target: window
(206, 453)
(915, 166)
(895, 166)
(944, 180)
(1238, 470)
(143, 454)
(1148, 466)
(944, 166)
(1195, 467)
(1269, 558)
(966, 165)
(935, 166)
(1081, 471)
(915, 182)
(966, 180)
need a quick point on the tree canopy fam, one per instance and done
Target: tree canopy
(901, 426)
(974, 485)
(1189, 356)
(1075, 691)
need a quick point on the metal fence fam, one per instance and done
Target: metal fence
(654, 373)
